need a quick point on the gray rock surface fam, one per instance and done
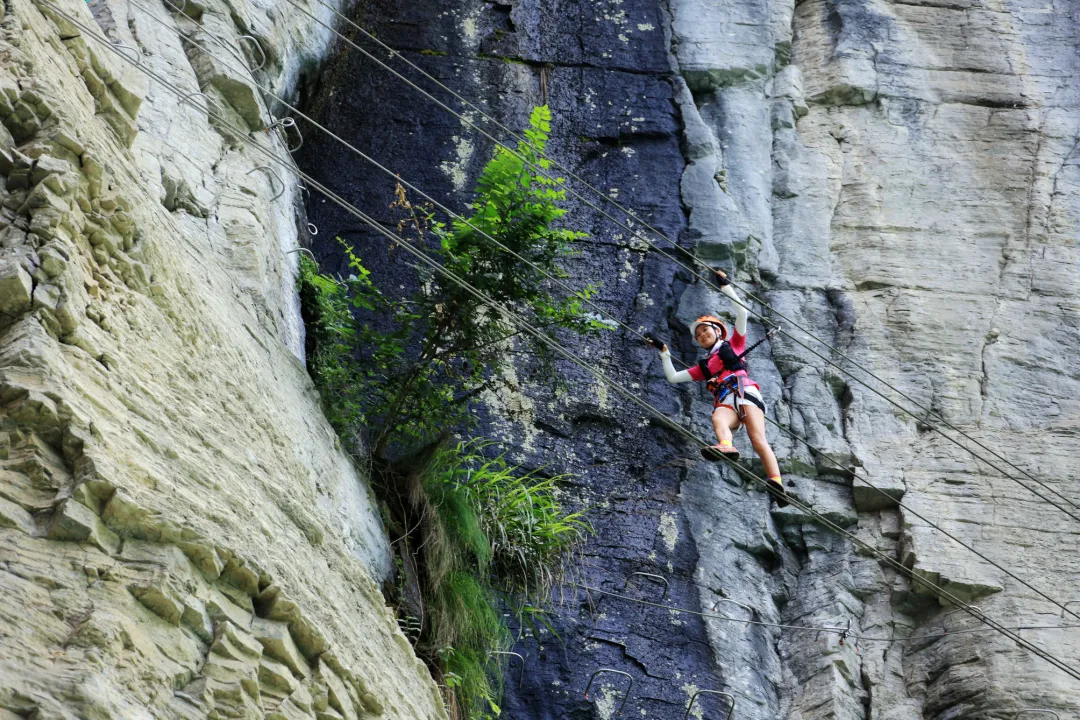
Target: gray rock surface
(897, 177)
(919, 212)
(182, 536)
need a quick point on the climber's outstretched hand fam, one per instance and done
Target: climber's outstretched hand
(650, 340)
(721, 278)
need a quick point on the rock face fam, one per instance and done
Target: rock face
(898, 178)
(616, 122)
(181, 535)
(893, 175)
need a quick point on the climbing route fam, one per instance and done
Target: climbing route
(1064, 503)
(390, 173)
(562, 352)
(927, 412)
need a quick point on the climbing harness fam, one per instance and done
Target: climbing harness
(731, 362)
(732, 384)
(569, 356)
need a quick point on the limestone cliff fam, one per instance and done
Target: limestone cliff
(902, 172)
(181, 534)
(900, 177)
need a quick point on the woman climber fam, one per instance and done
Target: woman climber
(738, 399)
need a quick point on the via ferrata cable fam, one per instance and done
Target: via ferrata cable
(607, 199)
(559, 350)
(810, 628)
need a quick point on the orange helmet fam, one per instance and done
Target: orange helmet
(709, 320)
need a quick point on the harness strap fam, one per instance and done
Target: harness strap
(768, 336)
(733, 384)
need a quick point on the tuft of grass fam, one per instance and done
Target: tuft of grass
(496, 538)
(528, 534)
(466, 622)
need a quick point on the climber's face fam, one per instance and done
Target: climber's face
(706, 336)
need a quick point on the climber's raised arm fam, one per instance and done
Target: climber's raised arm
(673, 376)
(741, 313)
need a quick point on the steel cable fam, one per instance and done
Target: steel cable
(810, 628)
(636, 233)
(558, 349)
(395, 176)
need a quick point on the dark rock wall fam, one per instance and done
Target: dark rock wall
(605, 70)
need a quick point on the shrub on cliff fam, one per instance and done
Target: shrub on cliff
(412, 383)
(475, 536)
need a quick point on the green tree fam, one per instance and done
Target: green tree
(447, 344)
(400, 371)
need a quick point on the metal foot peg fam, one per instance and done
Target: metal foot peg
(694, 697)
(617, 672)
(521, 668)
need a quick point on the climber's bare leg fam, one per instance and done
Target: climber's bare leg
(724, 420)
(754, 420)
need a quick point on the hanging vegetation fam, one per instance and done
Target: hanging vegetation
(476, 535)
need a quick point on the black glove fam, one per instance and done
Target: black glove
(721, 278)
(654, 342)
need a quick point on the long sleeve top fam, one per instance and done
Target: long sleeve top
(716, 366)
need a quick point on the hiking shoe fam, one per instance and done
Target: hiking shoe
(776, 489)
